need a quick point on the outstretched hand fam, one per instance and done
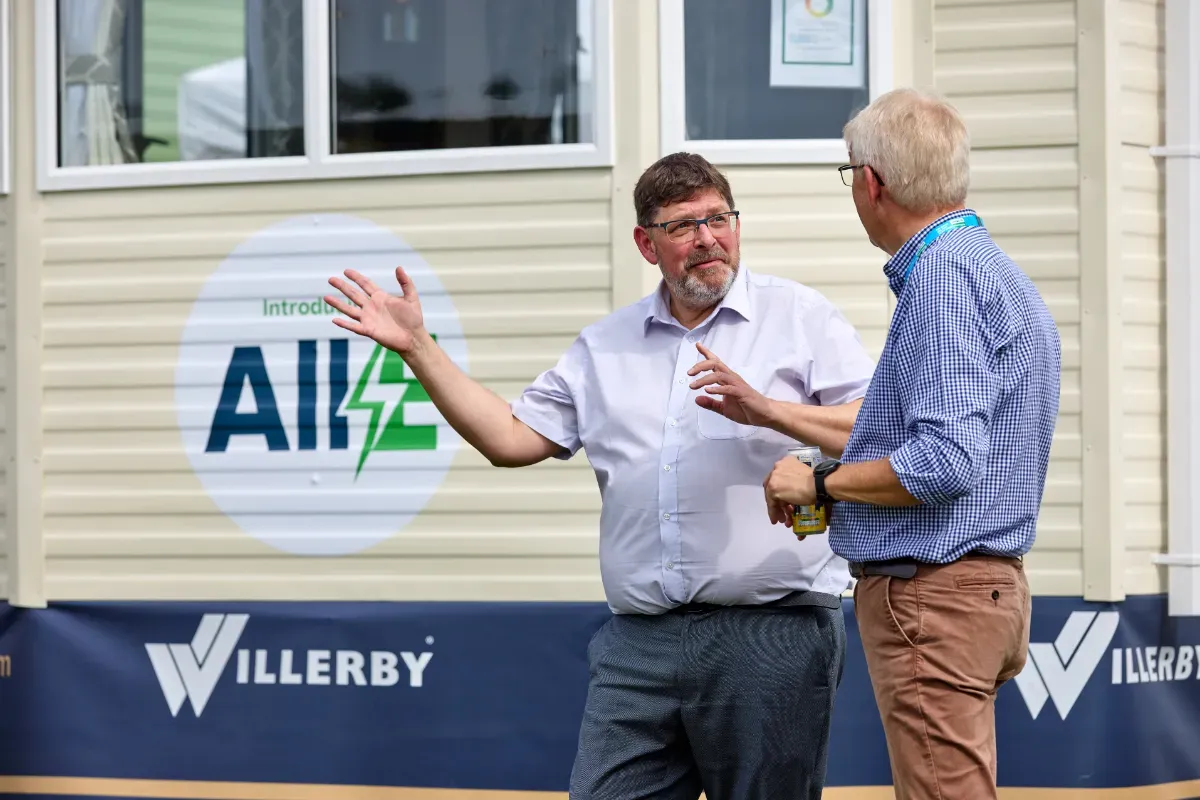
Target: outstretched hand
(727, 393)
(394, 321)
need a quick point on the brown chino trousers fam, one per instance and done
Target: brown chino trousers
(938, 646)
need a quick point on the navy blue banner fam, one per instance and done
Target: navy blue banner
(488, 696)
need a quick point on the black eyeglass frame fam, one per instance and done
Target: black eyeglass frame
(698, 222)
(842, 170)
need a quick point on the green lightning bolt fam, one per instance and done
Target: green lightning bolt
(395, 434)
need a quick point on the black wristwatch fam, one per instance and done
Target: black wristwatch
(820, 473)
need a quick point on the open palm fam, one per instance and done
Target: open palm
(391, 320)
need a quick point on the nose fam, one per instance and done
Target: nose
(704, 236)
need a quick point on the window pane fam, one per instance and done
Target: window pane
(434, 74)
(727, 61)
(179, 80)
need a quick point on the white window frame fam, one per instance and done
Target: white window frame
(318, 163)
(673, 117)
(5, 97)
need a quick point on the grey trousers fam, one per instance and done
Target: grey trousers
(734, 702)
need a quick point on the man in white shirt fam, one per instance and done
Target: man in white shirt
(718, 669)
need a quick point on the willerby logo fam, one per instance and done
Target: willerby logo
(191, 671)
(311, 439)
(1060, 671)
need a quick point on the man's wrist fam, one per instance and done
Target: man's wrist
(822, 474)
(422, 346)
(774, 415)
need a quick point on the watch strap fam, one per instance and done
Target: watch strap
(825, 468)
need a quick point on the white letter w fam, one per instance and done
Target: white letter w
(1059, 671)
(192, 671)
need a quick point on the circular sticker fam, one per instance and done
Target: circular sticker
(314, 440)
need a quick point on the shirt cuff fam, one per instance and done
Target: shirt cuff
(919, 481)
(548, 424)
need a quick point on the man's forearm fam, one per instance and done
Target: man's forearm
(826, 427)
(480, 416)
(871, 482)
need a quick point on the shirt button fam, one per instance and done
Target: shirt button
(681, 380)
(670, 565)
(666, 516)
(671, 422)
(666, 467)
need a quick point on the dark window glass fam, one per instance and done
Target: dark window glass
(435, 74)
(727, 62)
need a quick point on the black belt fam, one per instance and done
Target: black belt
(795, 600)
(907, 567)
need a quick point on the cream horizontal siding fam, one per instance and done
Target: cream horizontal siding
(1143, 307)
(1010, 69)
(5, 263)
(527, 260)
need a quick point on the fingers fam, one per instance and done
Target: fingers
(704, 401)
(349, 324)
(715, 377)
(366, 283)
(355, 296)
(704, 366)
(354, 312)
(781, 512)
(406, 284)
(704, 351)
(708, 379)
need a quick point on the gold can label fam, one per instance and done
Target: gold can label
(808, 520)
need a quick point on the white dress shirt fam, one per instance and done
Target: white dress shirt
(683, 515)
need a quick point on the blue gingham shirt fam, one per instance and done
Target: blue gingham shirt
(963, 403)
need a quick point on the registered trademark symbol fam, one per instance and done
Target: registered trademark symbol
(428, 640)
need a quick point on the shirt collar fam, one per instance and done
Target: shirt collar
(894, 268)
(737, 300)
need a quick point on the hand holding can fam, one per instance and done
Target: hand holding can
(812, 519)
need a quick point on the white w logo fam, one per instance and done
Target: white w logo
(1059, 671)
(192, 671)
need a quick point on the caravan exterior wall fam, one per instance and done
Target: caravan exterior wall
(185, 424)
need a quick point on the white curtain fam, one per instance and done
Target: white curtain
(93, 129)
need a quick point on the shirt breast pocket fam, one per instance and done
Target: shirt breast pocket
(713, 425)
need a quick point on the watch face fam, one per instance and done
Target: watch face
(826, 467)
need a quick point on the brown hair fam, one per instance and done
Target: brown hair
(675, 178)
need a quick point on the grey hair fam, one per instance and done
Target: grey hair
(918, 145)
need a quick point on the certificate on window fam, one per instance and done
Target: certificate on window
(819, 43)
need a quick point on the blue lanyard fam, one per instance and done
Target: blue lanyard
(968, 221)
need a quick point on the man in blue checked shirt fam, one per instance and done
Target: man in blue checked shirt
(935, 499)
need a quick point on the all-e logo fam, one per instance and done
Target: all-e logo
(312, 440)
(1060, 671)
(191, 671)
(385, 389)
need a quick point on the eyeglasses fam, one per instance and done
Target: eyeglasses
(847, 173)
(679, 230)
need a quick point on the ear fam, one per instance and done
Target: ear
(874, 187)
(645, 244)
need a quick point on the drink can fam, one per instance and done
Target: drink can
(808, 520)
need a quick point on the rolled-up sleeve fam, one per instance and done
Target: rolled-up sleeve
(839, 368)
(550, 406)
(948, 388)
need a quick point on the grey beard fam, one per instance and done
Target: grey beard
(695, 293)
